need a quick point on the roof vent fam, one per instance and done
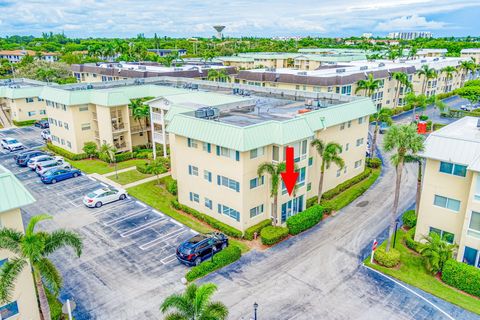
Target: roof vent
(381, 64)
(436, 59)
(201, 113)
(363, 67)
(423, 61)
(342, 70)
(302, 73)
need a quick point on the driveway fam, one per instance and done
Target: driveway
(319, 274)
(128, 265)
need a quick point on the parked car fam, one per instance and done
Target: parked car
(11, 144)
(46, 134)
(21, 159)
(33, 162)
(466, 107)
(43, 124)
(201, 247)
(55, 175)
(383, 127)
(99, 197)
(44, 167)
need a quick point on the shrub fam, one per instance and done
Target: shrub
(23, 123)
(332, 193)
(445, 95)
(171, 186)
(397, 110)
(409, 218)
(305, 220)
(271, 235)
(373, 163)
(407, 108)
(123, 156)
(437, 126)
(312, 201)
(250, 232)
(462, 276)
(67, 154)
(409, 242)
(228, 255)
(90, 148)
(143, 154)
(387, 259)
(225, 228)
(143, 168)
(423, 117)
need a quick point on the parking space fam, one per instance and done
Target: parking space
(119, 237)
(29, 136)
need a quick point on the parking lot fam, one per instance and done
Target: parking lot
(128, 265)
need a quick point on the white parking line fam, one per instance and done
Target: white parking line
(159, 213)
(109, 206)
(169, 259)
(119, 219)
(141, 204)
(193, 231)
(103, 184)
(68, 190)
(91, 178)
(141, 228)
(176, 222)
(170, 235)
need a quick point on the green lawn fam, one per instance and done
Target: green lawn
(413, 272)
(159, 198)
(129, 177)
(101, 167)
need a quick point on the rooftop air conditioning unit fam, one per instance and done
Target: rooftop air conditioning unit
(177, 69)
(342, 70)
(142, 67)
(201, 113)
(363, 67)
(423, 61)
(302, 73)
(381, 64)
(436, 59)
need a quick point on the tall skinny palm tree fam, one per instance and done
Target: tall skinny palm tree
(368, 85)
(383, 115)
(400, 77)
(274, 170)
(466, 67)
(416, 102)
(32, 249)
(427, 73)
(405, 142)
(107, 151)
(194, 304)
(329, 152)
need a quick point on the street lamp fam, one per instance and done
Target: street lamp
(255, 307)
(395, 234)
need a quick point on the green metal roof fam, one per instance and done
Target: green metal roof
(19, 93)
(13, 193)
(269, 132)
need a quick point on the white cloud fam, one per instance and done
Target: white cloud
(407, 23)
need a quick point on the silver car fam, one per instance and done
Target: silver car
(44, 167)
(44, 159)
(99, 197)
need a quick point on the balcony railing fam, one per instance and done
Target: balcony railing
(117, 127)
(158, 138)
(157, 117)
(137, 129)
(122, 145)
(94, 116)
(97, 135)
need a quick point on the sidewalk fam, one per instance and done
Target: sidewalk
(104, 179)
(136, 183)
(109, 174)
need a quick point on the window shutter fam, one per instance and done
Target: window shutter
(219, 180)
(190, 170)
(219, 208)
(191, 196)
(237, 155)
(237, 186)
(210, 177)
(218, 150)
(209, 148)
(189, 142)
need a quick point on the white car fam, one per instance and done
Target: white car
(99, 197)
(32, 163)
(46, 135)
(48, 165)
(11, 144)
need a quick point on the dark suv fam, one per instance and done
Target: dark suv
(22, 158)
(42, 124)
(200, 247)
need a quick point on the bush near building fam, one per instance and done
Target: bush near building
(250, 232)
(67, 154)
(373, 163)
(225, 228)
(228, 255)
(409, 218)
(387, 259)
(23, 123)
(271, 235)
(144, 168)
(409, 242)
(305, 220)
(462, 276)
(171, 186)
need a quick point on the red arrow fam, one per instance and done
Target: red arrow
(289, 177)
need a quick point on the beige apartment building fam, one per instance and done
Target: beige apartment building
(14, 196)
(343, 78)
(473, 53)
(450, 199)
(20, 101)
(215, 155)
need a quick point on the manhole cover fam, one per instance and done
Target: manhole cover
(362, 204)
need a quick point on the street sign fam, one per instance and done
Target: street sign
(374, 247)
(68, 307)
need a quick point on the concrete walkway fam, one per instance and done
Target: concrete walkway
(119, 171)
(152, 178)
(104, 179)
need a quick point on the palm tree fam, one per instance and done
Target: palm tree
(449, 71)
(400, 77)
(427, 73)
(194, 304)
(32, 249)
(274, 170)
(384, 115)
(412, 52)
(156, 167)
(369, 85)
(217, 75)
(330, 154)
(405, 142)
(415, 102)
(107, 151)
(467, 66)
(436, 252)
(140, 111)
(438, 104)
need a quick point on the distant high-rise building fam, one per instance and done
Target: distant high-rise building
(409, 35)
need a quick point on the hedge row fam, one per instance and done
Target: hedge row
(387, 259)
(67, 154)
(271, 235)
(23, 123)
(409, 240)
(345, 185)
(171, 186)
(225, 228)
(462, 276)
(143, 167)
(250, 232)
(228, 255)
(373, 163)
(305, 220)
(119, 157)
(409, 218)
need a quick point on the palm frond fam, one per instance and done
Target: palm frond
(50, 275)
(10, 240)
(33, 221)
(9, 273)
(203, 295)
(179, 302)
(214, 311)
(61, 238)
(176, 316)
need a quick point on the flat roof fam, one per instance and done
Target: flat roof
(21, 88)
(155, 68)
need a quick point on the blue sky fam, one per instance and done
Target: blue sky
(121, 18)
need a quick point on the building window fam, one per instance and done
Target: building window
(309, 186)
(192, 170)
(229, 153)
(275, 153)
(43, 112)
(455, 169)
(207, 147)
(342, 126)
(347, 90)
(194, 197)
(347, 146)
(301, 177)
(29, 100)
(208, 203)
(256, 211)
(222, 209)
(292, 207)
(476, 196)
(62, 141)
(65, 125)
(83, 108)
(207, 175)
(9, 310)
(192, 143)
(358, 163)
(360, 120)
(339, 171)
(255, 182)
(471, 256)
(474, 226)
(69, 144)
(229, 183)
(31, 113)
(299, 150)
(444, 235)
(255, 153)
(359, 142)
(447, 203)
(85, 126)
(60, 123)
(349, 124)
